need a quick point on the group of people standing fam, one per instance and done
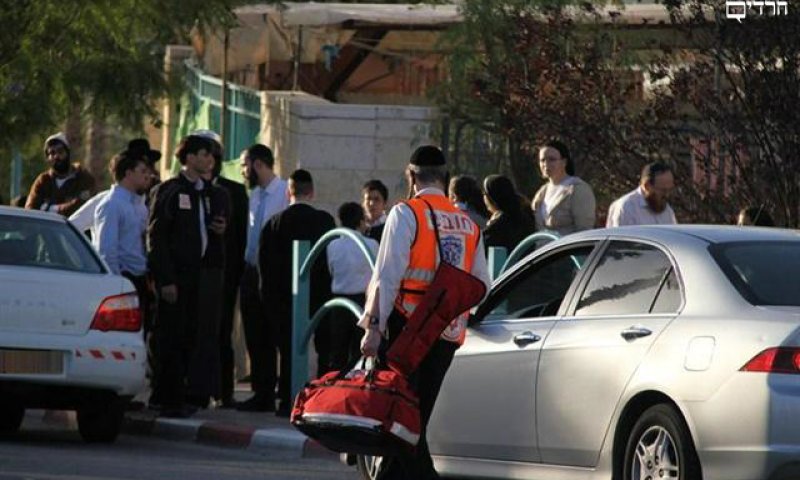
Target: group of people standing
(195, 242)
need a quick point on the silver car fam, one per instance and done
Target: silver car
(632, 353)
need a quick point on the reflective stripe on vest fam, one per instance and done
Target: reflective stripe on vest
(459, 236)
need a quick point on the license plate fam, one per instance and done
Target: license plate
(31, 361)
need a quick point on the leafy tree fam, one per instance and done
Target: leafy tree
(724, 114)
(103, 57)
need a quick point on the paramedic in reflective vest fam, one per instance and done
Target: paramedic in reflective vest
(407, 259)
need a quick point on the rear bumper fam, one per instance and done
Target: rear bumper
(112, 361)
(749, 430)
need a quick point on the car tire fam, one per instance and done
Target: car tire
(11, 415)
(660, 447)
(368, 466)
(101, 422)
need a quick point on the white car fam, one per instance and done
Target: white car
(70, 331)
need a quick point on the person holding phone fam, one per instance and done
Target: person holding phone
(186, 255)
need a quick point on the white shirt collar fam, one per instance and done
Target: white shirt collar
(430, 191)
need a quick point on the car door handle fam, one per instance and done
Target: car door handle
(526, 338)
(635, 331)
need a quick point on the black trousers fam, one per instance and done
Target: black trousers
(344, 334)
(427, 381)
(230, 289)
(174, 338)
(185, 339)
(203, 376)
(260, 335)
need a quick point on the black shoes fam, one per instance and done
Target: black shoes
(256, 403)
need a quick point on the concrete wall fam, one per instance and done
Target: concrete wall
(343, 146)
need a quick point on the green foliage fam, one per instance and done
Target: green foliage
(527, 71)
(105, 56)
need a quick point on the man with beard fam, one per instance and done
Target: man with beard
(63, 187)
(647, 205)
(268, 197)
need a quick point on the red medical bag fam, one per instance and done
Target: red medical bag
(363, 411)
(374, 411)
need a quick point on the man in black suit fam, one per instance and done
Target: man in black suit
(186, 255)
(235, 240)
(300, 221)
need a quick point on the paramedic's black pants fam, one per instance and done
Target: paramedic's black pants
(427, 381)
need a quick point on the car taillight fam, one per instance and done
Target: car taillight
(118, 313)
(775, 360)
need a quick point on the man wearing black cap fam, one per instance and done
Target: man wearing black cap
(64, 187)
(300, 221)
(407, 260)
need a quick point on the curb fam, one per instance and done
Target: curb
(268, 441)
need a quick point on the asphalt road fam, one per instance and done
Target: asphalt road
(42, 452)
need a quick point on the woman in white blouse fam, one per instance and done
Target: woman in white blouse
(564, 204)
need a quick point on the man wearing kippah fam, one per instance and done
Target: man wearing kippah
(63, 187)
(406, 264)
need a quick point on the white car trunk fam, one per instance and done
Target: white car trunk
(41, 300)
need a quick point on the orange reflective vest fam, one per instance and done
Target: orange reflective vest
(459, 237)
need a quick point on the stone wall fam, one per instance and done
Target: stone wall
(342, 145)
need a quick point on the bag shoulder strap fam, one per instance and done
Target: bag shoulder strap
(435, 229)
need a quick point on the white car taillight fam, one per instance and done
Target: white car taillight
(118, 313)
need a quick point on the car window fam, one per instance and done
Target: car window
(627, 278)
(31, 242)
(764, 273)
(669, 297)
(539, 289)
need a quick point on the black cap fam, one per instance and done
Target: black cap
(427, 156)
(141, 146)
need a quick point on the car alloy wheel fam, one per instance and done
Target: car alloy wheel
(655, 457)
(368, 466)
(660, 447)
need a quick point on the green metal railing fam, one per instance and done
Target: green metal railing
(303, 259)
(303, 328)
(204, 106)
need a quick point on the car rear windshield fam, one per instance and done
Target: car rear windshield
(765, 273)
(31, 242)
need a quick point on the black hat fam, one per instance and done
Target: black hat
(427, 156)
(142, 147)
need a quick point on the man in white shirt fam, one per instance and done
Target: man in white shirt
(648, 204)
(400, 268)
(350, 273)
(268, 196)
(83, 218)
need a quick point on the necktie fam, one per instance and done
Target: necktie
(199, 186)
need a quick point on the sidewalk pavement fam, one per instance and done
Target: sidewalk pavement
(261, 432)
